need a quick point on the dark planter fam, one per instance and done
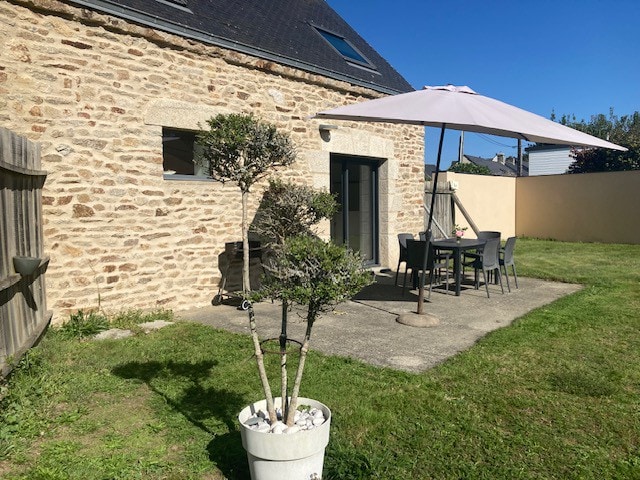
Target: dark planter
(26, 265)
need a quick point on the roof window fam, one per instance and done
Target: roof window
(179, 4)
(344, 48)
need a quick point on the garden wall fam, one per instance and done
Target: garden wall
(587, 207)
(489, 200)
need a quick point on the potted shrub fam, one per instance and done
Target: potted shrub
(318, 275)
(303, 270)
(288, 210)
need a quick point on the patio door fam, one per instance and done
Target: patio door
(354, 181)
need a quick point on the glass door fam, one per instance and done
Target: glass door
(354, 181)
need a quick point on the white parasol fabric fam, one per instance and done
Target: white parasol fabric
(460, 108)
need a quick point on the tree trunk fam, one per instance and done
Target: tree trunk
(293, 404)
(283, 358)
(246, 282)
(261, 370)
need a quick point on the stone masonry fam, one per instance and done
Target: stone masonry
(95, 91)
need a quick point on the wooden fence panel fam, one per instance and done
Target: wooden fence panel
(23, 312)
(443, 209)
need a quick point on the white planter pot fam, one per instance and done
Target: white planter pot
(285, 456)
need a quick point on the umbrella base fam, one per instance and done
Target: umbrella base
(420, 320)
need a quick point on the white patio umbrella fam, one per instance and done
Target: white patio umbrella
(460, 108)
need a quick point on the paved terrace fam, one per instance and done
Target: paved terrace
(366, 327)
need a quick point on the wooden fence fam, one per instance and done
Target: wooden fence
(23, 312)
(443, 220)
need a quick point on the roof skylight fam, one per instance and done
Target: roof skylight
(179, 4)
(344, 48)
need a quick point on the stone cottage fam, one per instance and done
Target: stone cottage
(113, 91)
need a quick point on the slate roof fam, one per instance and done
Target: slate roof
(429, 170)
(276, 30)
(497, 168)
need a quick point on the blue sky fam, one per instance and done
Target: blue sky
(568, 56)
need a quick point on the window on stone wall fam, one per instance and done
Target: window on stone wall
(179, 148)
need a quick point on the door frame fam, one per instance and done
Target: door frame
(344, 161)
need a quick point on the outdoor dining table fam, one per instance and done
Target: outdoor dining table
(457, 247)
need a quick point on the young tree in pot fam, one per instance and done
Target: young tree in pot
(317, 274)
(288, 210)
(241, 149)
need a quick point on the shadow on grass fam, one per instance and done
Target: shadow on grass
(585, 383)
(198, 404)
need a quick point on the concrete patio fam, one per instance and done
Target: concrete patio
(365, 328)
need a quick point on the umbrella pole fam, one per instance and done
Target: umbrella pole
(428, 233)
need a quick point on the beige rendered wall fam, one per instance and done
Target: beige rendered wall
(589, 207)
(95, 91)
(489, 200)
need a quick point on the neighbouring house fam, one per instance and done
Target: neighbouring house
(549, 159)
(113, 91)
(500, 165)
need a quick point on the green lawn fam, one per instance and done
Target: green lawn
(554, 396)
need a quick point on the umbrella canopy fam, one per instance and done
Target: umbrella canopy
(460, 108)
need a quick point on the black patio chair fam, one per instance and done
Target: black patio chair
(435, 263)
(506, 260)
(468, 258)
(488, 262)
(402, 257)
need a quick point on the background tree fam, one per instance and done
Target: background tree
(469, 168)
(624, 131)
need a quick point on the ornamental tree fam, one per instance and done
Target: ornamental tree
(317, 274)
(241, 149)
(288, 210)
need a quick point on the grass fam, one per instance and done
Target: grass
(554, 396)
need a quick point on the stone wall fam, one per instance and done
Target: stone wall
(95, 91)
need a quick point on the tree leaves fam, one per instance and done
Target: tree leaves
(310, 271)
(242, 149)
(624, 130)
(288, 210)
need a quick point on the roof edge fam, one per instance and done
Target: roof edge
(110, 8)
